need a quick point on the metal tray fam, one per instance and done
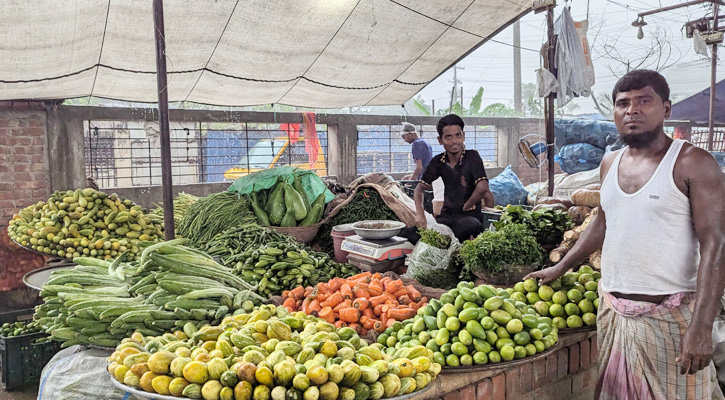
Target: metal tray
(38, 277)
(156, 396)
(30, 249)
(502, 365)
(392, 228)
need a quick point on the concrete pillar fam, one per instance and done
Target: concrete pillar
(66, 155)
(342, 150)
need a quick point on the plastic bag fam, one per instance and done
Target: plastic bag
(431, 223)
(75, 374)
(312, 183)
(579, 157)
(431, 266)
(596, 133)
(577, 181)
(507, 188)
(569, 61)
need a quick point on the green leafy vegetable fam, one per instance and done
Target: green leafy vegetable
(434, 238)
(490, 251)
(548, 225)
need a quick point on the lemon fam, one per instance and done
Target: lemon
(530, 285)
(532, 297)
(507, 353)
(574, 295)
(514, 326)
(556, 310)
(546, 292)
(519, 352)
(571, 309)
(589, 319)
(559, 322)
(574, 321)
(559, 298)
(586, 306)
(519, 287)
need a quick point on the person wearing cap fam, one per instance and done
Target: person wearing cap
(464, 179)
(422, 152)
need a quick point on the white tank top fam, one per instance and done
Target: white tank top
(650, 245)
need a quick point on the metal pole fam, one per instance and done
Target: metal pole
(713, 83)
(517, 67)
(550, 102)
(161, 84)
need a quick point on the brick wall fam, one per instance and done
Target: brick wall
(526, 174)
(568, 373)
(24, 178)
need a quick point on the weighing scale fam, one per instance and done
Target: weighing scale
(377, 255)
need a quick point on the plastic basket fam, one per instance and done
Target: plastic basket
(303, 234)
(21, 360)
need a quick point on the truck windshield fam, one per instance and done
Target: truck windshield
(262, 154)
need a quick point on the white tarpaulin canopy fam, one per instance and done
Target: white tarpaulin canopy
(313, 53)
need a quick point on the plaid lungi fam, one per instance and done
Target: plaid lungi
(638, 344)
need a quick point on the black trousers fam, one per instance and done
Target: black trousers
(463, 225)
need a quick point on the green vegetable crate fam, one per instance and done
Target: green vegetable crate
(22, 360)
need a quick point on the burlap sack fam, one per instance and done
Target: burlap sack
(404, 214)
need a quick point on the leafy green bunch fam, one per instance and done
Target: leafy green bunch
(434, 238)
(510, 244)
(548, 225)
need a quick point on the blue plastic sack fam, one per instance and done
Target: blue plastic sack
(579, 157)
(507, 188)
(595, 133)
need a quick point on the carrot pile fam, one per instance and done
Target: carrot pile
(363, 302)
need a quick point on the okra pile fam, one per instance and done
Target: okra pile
(84, 222)
(100, 302)
(279, 266)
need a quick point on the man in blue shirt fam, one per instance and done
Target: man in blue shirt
(422, 152)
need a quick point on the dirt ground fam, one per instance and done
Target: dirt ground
(29, 392)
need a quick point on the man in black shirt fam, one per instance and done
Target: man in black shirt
(464, 177)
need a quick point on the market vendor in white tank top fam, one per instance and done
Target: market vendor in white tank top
(661, 228)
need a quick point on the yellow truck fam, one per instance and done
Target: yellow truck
(276, 152)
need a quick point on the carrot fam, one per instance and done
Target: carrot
(378, 326)
(377, 275)
(384, 319)
(334, 285)
(346, 291)
(305, 305)
(375, 288)
(413, 293)
(378, 310)
(393, 286)
(368, 312)
(327, 315)
(359, 291)
(401, 314)
(366, 322)
(344, 304)
(332, 301)
(400, 293)
(308, 291)
(285, 293)
(415, 306)
(297, 293)
(374, 301)
(349, 314)
(289, 304)
(314, 307)
(404, 299)
(389, 322)
(361, 303)
(355, 326)
(340, 324)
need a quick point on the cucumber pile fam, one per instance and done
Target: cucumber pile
(84, 222)
(100, 302)
(286, 205)
(474, 326)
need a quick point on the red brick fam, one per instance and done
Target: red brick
(36, 123)
(484, 389)
(37, 158)
(468, 392)
(526, 378)
(539, 374)
(499, 387)
(25, 185)
(20, 150)
(6, 204)
(563, 388)
(38, 175)
(454, 395)
(584, 356)
(35, 131)
(595, 351)
(38, 141)
(577, 382)
(512, 382)
(20, 176)
(574, 358)
(551, 374)
(562, 364)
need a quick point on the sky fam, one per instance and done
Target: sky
(490, 66)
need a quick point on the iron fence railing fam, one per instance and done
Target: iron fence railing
(127, 153)
(380, 148)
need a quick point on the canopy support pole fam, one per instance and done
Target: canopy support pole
(549, 104)
(162, 85)
(713, 83)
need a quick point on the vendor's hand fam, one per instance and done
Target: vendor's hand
(421, 222)
(407, 177)
(695, 350)
(469, 207)
(545, 275)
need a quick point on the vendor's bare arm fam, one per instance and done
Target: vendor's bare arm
(706, 186)
(481, 192)
(591, 239)
(419, 210)
(418, 170)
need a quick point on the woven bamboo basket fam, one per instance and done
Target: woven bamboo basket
(509, 275)
(303, 234)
